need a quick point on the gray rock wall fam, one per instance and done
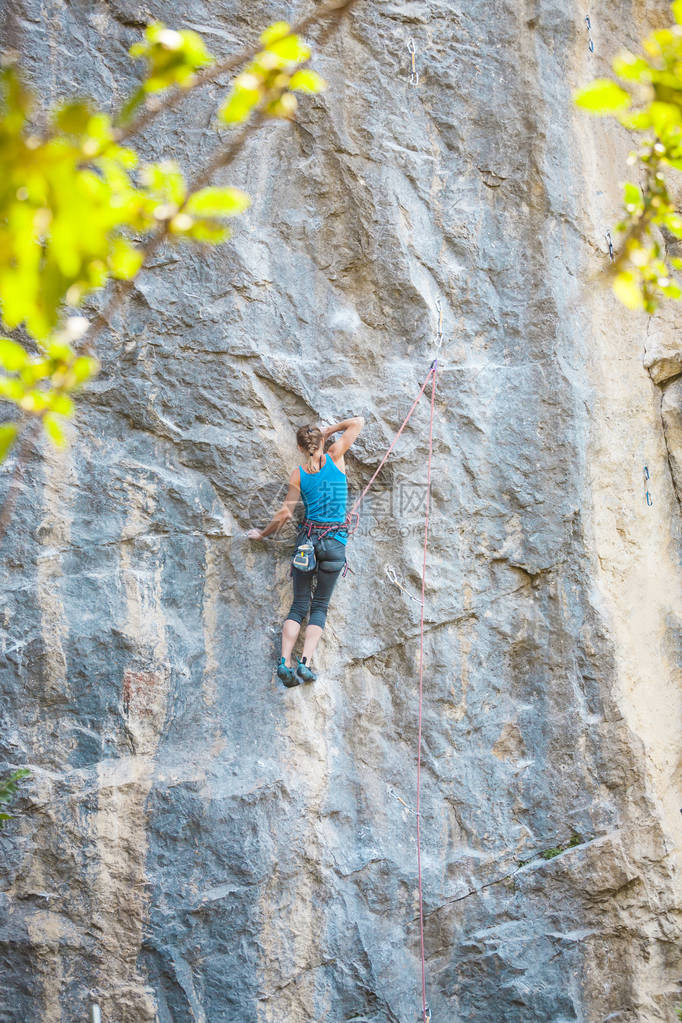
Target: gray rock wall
(198, 844)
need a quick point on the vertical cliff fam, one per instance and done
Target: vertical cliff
(199, 844)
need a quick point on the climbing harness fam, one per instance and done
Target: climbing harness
(320, 529)
(590, 42)
(414, 74)
(304, 556)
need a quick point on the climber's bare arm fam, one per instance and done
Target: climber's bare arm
(285, 513)
(351, 429)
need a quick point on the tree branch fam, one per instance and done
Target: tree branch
(332, 12)
(222, 157)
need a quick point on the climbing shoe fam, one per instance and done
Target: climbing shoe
(304, 672)
(287, 675)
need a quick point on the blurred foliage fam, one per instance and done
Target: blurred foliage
(649, 102)
(8, 788)
(272, 78)
(173, 58)
(77, 207)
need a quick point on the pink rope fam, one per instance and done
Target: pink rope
(355, 507)
(433, 372)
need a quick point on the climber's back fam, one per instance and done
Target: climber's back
(324, 491)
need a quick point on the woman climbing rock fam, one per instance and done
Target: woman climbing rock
(321, 483)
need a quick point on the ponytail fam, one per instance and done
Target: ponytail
(309, 439)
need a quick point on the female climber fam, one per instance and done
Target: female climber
(321, 482)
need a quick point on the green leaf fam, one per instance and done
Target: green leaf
(632, 197)
(602, 96)
(165, 181)
(73, 119)
(306, 80)
(638, 121)
(59, 350)
(218, 202)
(208, 232)
(172, 58)
(274, 32)
(12, 356)
(38, 369)
(677, 11)
(181, 224)
(239, 105)
(664, 116)
(8, 435)
(125, 260)
(631, 68)
(674, 224)
(62, 404)
(290, 49)
(83, 368)
(12, 389)
(627, 290)
(663, 39)
(54, 429)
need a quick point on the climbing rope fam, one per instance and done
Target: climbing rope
(352, 526)
(353, 513)
(433, 372)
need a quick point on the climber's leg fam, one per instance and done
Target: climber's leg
(331, 559)
(303, 582)
(312, 638)
(290, 633)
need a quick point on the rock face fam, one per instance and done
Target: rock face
(197, 843)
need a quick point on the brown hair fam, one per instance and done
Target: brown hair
(309, 438)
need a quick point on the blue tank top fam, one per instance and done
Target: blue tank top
(324, 495)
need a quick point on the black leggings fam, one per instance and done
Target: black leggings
(331, 557)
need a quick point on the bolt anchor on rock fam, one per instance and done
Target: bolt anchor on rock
(414, 74)
(609, 242)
